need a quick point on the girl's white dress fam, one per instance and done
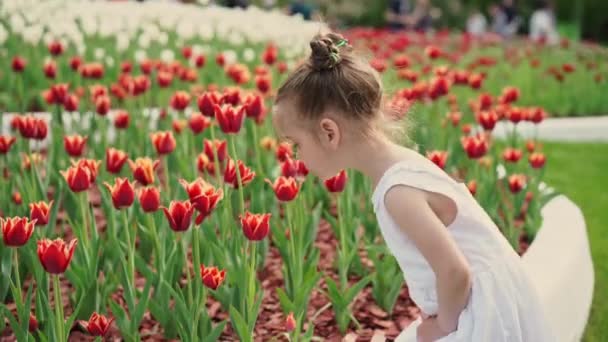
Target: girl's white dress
(503, 305)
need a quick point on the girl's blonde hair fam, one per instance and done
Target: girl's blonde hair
(335, 78)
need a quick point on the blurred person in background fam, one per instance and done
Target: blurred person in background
(505, 20)
(420, 19)
(397, 13)
(301, 7)
(236, 3)
(542, 23)
(476, 23)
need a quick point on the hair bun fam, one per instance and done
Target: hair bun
(326, 51)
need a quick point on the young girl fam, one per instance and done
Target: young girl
(461, 272)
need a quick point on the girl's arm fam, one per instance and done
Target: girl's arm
(411, 211)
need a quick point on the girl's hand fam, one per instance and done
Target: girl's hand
(429, 330)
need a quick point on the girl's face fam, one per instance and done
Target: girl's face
(308, 145)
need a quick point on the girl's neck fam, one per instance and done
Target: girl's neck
(373, 156)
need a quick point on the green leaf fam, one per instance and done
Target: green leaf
(334, 294)
(215, 333)
(353, 291)
(286, 304)
(239, 324)
(19, 333)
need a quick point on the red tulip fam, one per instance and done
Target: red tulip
(230, 174)
(40, 211)
(70, 103)
(203, 163)
(143, 170)
(55, 48)
(454, 117)
(74, 144)
(92, 165)
(50, 69)
(122, 119)
(282, 67)
(141, 84)
(232, 96)
(146, 66)
(98, 325)
(438, 157)
(149, 199)
(270, 54)
(220, 149)
(179, 125)
(255, 108)
(439, 87)
(126, 67)
(102, 104)
(475, 81)
(206, 103)
(290, 322)
(31, 127)
(180, 100)
(530, 146)
(432, 52)
(379, 64)
(203, 197)
(115, 159)
(179, 215)
(164, 142)
(212, 277)
(16, 231)
(475, 146)
(5, 143)
(511, 155)
(509, 95)
(255, 226)
(18, 64)
(487, 119)
(17, 199)
(198, 123)
(199, 61)
(78, 178)
(515, 115)
(293, 168)
(229, 118)
(75, 63)
(55, 255)
(286, 189)
(337, 182)
(536, 115)
(472, 186)
(568, 68)
(537, 160)
(97, 90)
(59, 92)
(263, 83)
(517, 182)
(284, 151)
(32, 324)
(164, 79)
(122, 192)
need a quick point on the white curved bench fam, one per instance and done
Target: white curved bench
(559, 261)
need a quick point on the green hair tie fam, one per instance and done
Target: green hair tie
(342, 43)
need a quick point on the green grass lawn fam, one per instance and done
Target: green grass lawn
(579, 170)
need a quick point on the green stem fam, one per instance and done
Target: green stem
(238, 174)
(17, 275)
(188, 278)
(84, 204)
(159, 252)
(216, 162)
(58, 309)
(251, 289)
(295, 281)
(130, 248)
(166, 171)
(343, 268)
(197, 259)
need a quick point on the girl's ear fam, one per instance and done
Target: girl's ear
(330, 133)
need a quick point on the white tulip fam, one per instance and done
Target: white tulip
(167, 55)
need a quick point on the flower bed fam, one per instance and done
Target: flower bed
(174, 213)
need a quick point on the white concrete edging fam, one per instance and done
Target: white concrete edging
(559, 261)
